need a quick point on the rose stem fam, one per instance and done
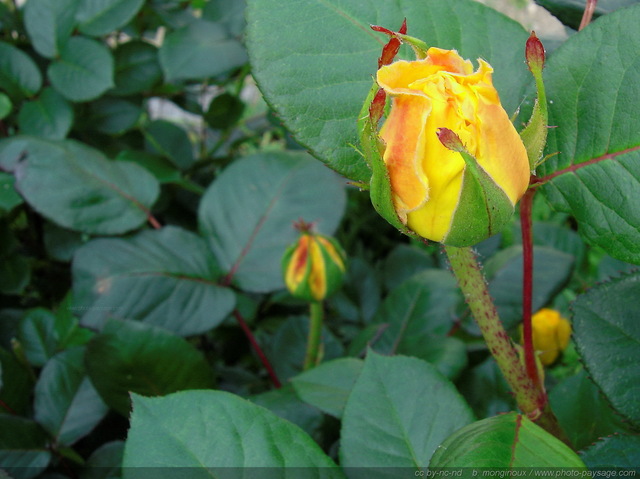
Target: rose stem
(315, 335)
(531, 398)
(526, 204)
(256, 347)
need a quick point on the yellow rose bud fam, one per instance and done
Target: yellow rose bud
(455, 196)
(551, 333)
(313, 267)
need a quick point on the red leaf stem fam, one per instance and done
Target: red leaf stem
(526, 204)
(589, 9)
(258, 350)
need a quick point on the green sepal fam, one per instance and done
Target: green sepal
(380, 184)
(483, 210)
(534, 135)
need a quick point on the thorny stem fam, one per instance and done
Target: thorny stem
(526, 204)
(589, 9)
(531, 397)
(312, 355)
(258, 350)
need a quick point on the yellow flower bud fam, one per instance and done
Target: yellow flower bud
(313, 266)
(551, 333)
(456, 196)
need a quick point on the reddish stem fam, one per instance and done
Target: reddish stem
(153, 221)
(258, 350)
(7, 407)
(589, 10)
(526, 204)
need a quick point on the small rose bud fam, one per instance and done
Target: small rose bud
(313, 266)
(534, 53)
(551, 333)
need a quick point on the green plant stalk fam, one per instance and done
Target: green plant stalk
(531, 398)
(312, 356)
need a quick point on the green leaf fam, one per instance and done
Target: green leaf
(414, 319)
(606, 330)
(5, 106)
(162, 169)
(486, 390)
(38, 336)
(286, 347)
(130, 356)
(403, 262)
(171, 141)
(614, 452)
(105, 462)
(19, 75)
(398, 413)
(561, 238)
(316, 74)
(92, 194)
(328, 385)
(66, 403)
(199, 50)
(423, 305)
(49, 116)
(113, 116)
(166, 278)
(49, 24)
(9, 198)
(248, 213)
(210, 432)
(582, 411)
(83, 71)
(224, 111)
(42, 333)
(284, 403)
(137, 68)
(506, 441)
(360, 295)
(594, 105)
(551, 270)
(23, 452)
(100, 17)
(229, 13)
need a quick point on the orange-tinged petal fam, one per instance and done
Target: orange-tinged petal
(403, 134)
(450, 60)
(317, 276)
(297, 268)
(501, 151)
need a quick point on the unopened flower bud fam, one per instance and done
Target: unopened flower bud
(534, 53)
(313, 266)
(453, 165)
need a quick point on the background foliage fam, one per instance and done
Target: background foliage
(137, 248)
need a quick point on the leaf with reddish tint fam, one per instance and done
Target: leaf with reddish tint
(510, 440)
(593, 88)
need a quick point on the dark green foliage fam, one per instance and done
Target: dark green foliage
(148, 192)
